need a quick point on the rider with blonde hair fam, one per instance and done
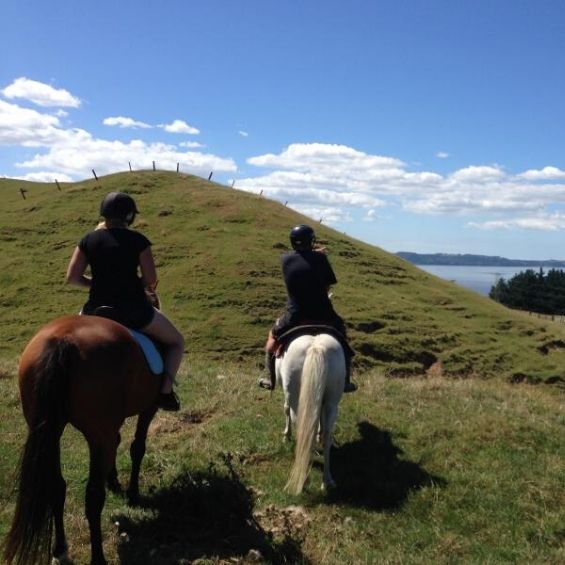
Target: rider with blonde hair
(115, 253)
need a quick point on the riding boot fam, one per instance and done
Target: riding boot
(349, 386)
(264, 382)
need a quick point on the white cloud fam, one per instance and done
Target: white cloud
(327, 215)
(243, 133)
(123, 122)
(30, 128)
(191, 144)
(370, 216)
(179, 126)
(40, 93)
(71, 153)
(46, 176)
(477, 174)
(442, 155)
(323, 156)
(78, 154)
(310, 175)
(547, 222)
(547, 173)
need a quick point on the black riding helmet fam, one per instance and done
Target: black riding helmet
(302, 237)
(119, 206)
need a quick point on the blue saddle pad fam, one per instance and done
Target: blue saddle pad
(154, 359)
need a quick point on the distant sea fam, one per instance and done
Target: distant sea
(479, 279)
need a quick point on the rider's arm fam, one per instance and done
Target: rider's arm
(76, 268)
(148, 270)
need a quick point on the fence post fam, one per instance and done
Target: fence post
(153, 165)
(261, 193)
(210, 175)
(57, 183)
(23, 193)
(129, 163)
(94, 173)
(178, 164)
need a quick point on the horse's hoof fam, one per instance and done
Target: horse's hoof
(329, 486)
(62, 559)
(115, 487)
(133, 498)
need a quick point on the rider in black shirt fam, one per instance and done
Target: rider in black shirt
(308, 276)
(115, 253)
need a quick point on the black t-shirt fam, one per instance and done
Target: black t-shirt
(113, 256)
(307, 276)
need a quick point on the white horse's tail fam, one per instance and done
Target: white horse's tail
(314, 374)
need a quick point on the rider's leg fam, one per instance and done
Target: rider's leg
(264, 382)
(166, 333)
(349, 386)
(339, 324)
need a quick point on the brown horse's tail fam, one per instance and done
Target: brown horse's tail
(39, 473)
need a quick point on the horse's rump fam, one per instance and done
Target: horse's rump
(313, 376)
(107, 374)
(312, 329)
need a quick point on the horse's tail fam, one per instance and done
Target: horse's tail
(39, 473)
(314, 374)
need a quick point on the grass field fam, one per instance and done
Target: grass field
(448, 453)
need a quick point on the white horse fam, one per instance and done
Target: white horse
(312, 373)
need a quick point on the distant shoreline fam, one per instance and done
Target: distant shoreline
(469, 260)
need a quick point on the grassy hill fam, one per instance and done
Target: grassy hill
(217, 251)
(430, 470)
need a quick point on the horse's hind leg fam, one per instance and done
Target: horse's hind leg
(60, 547)
(137, 451)
(328, 424)
(102, 458)
(113, 482)
(287, 434)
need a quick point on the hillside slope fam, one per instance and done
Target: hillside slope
(217, 251)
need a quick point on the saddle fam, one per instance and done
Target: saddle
(283, 341)
(151, 350)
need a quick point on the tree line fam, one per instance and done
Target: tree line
(534, 291)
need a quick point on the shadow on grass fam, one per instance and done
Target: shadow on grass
(206, 515)
(370, 474)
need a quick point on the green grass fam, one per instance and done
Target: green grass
(454, 464)
(430, 471)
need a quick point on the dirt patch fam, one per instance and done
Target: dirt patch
(288, 521)
(374, 352)
(545, 348)
(435, 369)
(184, 420)
(369, 327)
(518, 378)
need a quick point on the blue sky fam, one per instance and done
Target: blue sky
(433, 126)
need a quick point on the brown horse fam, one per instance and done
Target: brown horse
(91, 373)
